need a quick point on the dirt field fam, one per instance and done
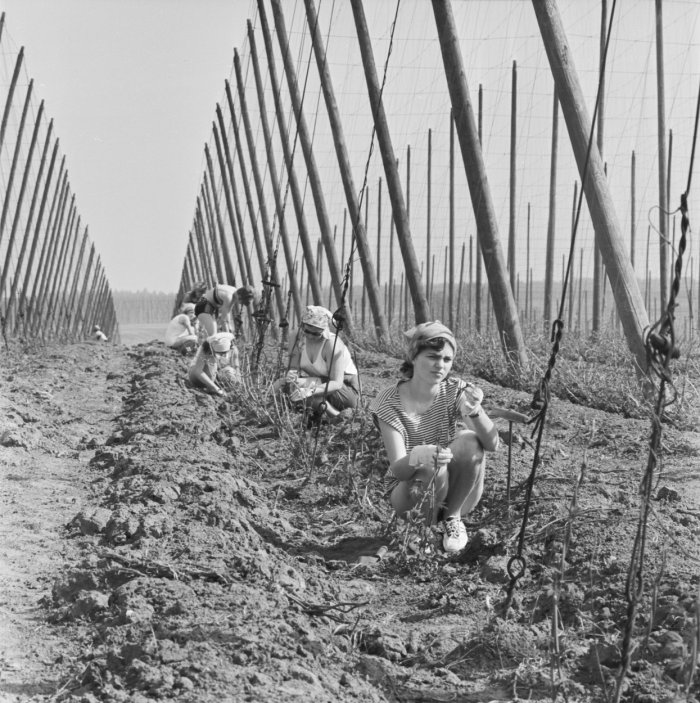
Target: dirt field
(159, 544)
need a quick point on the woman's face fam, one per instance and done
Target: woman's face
(432, 365)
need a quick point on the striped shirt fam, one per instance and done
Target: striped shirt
(436, 426)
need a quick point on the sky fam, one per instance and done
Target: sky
(132, 86)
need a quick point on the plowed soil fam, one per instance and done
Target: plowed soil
(160, 544)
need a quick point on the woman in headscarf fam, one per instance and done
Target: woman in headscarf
(430, 454)
(217, 356)
(180, 333)
(320, 365)
(214, 308)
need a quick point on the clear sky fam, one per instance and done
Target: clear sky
(132, 86)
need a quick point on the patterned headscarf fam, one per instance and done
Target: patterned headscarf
(317, 316)
(424, 332)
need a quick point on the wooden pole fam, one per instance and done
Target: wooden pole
(633, 208)
(428, 216)
(600, 204)
(23, 290)
(275, 184)
(18, 209)
(513, 165)
(459, 290)
(477, 292)
(15, 159)
(510, 333)
(551, 223)
(661, 121)
(358, 233)
(243, 262)
(267, 231)
(528, 302)
(268, 262)
(450, 314)
(10, 93)
(303, 133)
(219, 223)
(598, 272)
(82, 301)
(47, 245)
(292, 183)
(379, 232)
(403, 231)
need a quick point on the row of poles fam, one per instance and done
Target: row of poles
(52, 283)
(219, 212)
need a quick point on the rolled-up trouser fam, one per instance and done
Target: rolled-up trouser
(348, 396)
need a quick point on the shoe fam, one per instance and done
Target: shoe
(455, 538)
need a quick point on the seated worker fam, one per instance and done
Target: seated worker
(215, 364)
(213, 309)
(435, 433)
(98, 334)
(320, 366)
(180, 333)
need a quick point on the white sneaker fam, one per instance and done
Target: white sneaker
(455, 538)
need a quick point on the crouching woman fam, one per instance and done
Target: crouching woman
(435, 433)
(216, 364)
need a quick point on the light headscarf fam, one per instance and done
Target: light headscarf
(220, 342)
(187, 309)
(424, 332)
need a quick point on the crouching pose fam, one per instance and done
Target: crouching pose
(320, 366)
(215, 364)
(180, 333)
(429, 454)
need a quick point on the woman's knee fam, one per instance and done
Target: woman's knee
(467, 447)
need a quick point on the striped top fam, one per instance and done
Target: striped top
(436, 426)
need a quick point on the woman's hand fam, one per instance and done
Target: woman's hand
(470, 400)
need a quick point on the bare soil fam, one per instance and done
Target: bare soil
(159, 544)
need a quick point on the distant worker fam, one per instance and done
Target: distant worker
(98, 334)
(180, 333)
(321, 369)
(216, 364)
(196, 292)
(214, 308)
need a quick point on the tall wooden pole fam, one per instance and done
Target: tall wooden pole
(598, 269)
(359, 234)
(219, 222)
(24, 289)
(393, 181)
(600, 204)
(243, 264)
(661, 122)
(265, 261)
(506, 312)
(512, 190)
(81, 302)
(10, 93)
(477, 292)
(633, 208)
(450, 314)
(379, 232)
(428, 215)
(15, 159)
(18, 206)
(267, 232)
(551, 223)
(39, 277)
(306, 146)
(235, 206)
(275, 183)
(292, 183)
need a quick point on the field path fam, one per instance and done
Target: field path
(51, 418)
